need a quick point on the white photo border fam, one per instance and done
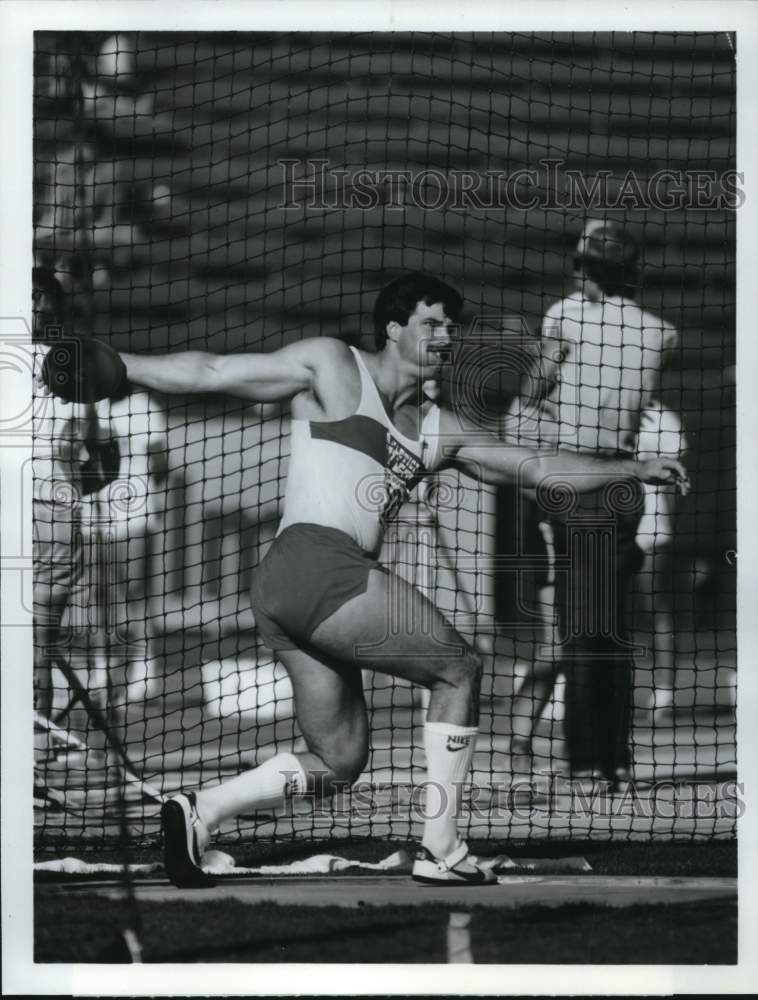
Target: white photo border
(18, 21)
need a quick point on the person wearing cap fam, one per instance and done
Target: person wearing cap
(598, 369)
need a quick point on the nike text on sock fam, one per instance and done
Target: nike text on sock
(449, 753)
(456, 743)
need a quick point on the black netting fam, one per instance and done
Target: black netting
(237, 192)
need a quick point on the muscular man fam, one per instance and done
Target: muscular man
(363, 433)
(599, 367)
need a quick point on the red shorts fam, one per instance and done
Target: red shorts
(308, 573)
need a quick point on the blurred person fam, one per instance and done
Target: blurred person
(539, 681)
(84, 201)
(111, 93)
(96, 472)
(600, 357)
(73, 457)
(87, 197)
(661, 433)
(123, 521)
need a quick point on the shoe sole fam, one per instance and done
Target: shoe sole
(180, 868)
(458, 878)
(457, 882)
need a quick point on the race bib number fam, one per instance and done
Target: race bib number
(403, 469)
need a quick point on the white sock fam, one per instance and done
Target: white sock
(449, 752)
(268, 786)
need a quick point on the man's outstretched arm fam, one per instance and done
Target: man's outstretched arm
(261, 378)
(528, 468)
(497, 462)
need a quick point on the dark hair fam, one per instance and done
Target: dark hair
(607, 254)
(398, 300)
(611, 278)
(47, 281)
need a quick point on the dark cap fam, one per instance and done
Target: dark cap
(607, 242)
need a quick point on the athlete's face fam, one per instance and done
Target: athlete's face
(426, 338)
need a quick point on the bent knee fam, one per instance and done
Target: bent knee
(464, 671)
(343, 767)
(348, 769)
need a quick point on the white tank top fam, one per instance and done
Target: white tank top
(354, 474)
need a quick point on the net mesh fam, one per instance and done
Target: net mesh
(229, 192)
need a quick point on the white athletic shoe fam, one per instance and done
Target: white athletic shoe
(445, 871)
(185, 837)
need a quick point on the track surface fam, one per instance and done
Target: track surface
(510, 893)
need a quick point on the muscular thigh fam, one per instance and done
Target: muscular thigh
(392, 628)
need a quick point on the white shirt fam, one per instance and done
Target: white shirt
(605, 358)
